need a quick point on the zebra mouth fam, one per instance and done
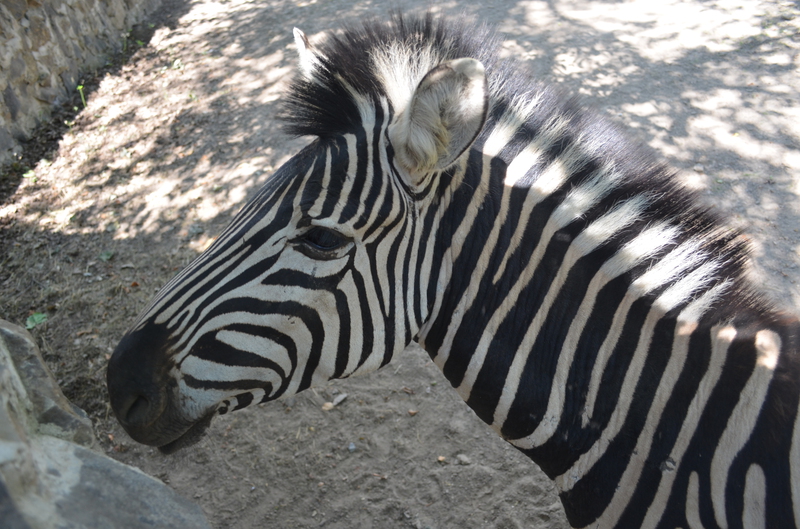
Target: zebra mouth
(189, 437)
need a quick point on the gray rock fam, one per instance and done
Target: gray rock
(54, 415)
(49, 475)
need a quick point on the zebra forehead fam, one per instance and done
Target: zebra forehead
(378, 60)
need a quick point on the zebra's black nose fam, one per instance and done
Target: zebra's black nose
(137, 383)
(135, 411)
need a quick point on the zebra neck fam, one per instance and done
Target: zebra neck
(636, 401)
(605, 353)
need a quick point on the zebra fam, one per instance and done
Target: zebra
(584, 304)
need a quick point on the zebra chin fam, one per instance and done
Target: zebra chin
(191, 436)
(170, 434)
(197, 431)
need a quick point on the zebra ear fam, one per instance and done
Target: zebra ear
(443, 118)
(309, 59)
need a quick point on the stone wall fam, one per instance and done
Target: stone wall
(45, 45)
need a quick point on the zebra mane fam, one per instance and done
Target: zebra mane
(377, 59)
(382, 59)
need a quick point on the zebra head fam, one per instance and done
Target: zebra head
(325, 273)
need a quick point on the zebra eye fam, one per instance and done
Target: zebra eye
(321, 241)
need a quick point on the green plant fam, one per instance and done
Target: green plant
(30, 174)
(37, 318)
(83, 98)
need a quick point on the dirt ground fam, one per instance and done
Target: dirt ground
(111, 200)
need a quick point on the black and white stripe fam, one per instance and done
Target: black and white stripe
(581, 302)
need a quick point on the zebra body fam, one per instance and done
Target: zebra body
(579, 301)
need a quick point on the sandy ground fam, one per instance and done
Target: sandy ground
(115, 197)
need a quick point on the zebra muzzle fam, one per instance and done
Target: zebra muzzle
(142, 392)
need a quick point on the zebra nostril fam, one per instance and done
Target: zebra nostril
(139, 411)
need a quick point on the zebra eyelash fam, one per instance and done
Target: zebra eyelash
(323, 243)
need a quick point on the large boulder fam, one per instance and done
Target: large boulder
(49, 474)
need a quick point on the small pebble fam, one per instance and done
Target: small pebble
(698, 168)
(463, 459)
(327, 406)
(351, 447)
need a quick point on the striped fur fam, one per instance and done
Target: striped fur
(579, 301)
